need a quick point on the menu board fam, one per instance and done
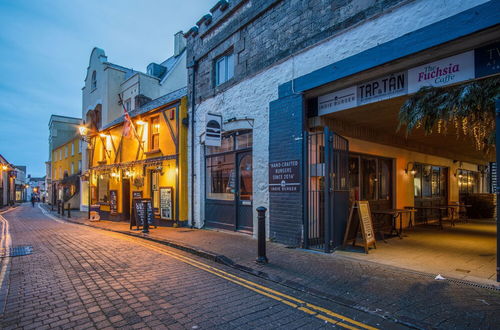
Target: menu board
(360, 219)
(142, 211)
(166, 206)
(366, 222)
(136, 194)
(113, 201)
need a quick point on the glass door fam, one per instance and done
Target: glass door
(244, 193)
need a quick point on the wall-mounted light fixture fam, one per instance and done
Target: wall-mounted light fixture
(456, 174)
(410, 168)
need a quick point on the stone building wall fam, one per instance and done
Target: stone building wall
(277, 41)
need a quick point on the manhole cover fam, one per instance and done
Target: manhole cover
(16, 251)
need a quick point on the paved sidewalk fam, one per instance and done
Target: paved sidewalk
(412, 298)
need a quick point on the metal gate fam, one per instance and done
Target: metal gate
(327, 193)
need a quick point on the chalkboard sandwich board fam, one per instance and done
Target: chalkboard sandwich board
(142, 211)
(360, 219)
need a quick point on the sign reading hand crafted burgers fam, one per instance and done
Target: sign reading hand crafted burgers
(213, 130)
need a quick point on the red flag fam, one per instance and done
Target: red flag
(127, 125)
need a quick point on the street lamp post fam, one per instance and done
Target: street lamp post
(84, 133)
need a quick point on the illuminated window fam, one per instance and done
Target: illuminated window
(155, 134)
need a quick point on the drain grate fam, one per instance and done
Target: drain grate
(16, 251)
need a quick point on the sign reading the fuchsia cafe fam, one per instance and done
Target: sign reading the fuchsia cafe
(444, 72)
(284, 176)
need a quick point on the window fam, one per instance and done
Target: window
(155, 191)
(79, 165)
(221, 177)
(370, 178)
(103, 188)
(72, 168)
(224, 69)
(128, 104)
(468, 182)
(60, 154)
(155, 134)
(221, 168)
(66, 152)
(80, 146)
(430, 181)
(72, 149)
(94, 81)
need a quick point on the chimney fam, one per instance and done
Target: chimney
(179, 43)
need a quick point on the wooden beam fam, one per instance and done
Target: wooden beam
(173, 134)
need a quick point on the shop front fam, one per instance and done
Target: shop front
(419, 183)
(229, 182)
(144, 159)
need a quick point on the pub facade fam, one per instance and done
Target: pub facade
(308, 100)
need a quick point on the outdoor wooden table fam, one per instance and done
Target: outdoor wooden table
(440, 208)
(395, 214)
(452, 207)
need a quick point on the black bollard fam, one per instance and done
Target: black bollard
(69, 212)
(58, 207)
(62, 209)
(145, 227)
(261, 235)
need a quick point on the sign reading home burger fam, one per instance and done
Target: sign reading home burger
(284, 176)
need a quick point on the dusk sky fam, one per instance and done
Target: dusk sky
(44, 53)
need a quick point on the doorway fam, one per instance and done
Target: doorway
(244, 194)
(229, 183)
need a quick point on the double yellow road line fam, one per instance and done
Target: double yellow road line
(310, 309)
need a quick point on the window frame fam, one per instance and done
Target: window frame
(211, 153)
(153, 134)
(225, 58)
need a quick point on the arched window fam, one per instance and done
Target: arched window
(94, 80)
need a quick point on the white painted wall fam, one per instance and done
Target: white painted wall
(176, 78)
(251, 97)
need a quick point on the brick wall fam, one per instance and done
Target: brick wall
(286, 123)
(263, 32)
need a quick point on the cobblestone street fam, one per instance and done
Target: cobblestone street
(81, 278)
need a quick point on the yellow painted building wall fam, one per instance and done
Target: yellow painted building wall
(112, 148)
(61, 161)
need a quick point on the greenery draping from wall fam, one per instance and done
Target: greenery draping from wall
(468, 108)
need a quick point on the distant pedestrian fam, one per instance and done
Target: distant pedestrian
(33, 200)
